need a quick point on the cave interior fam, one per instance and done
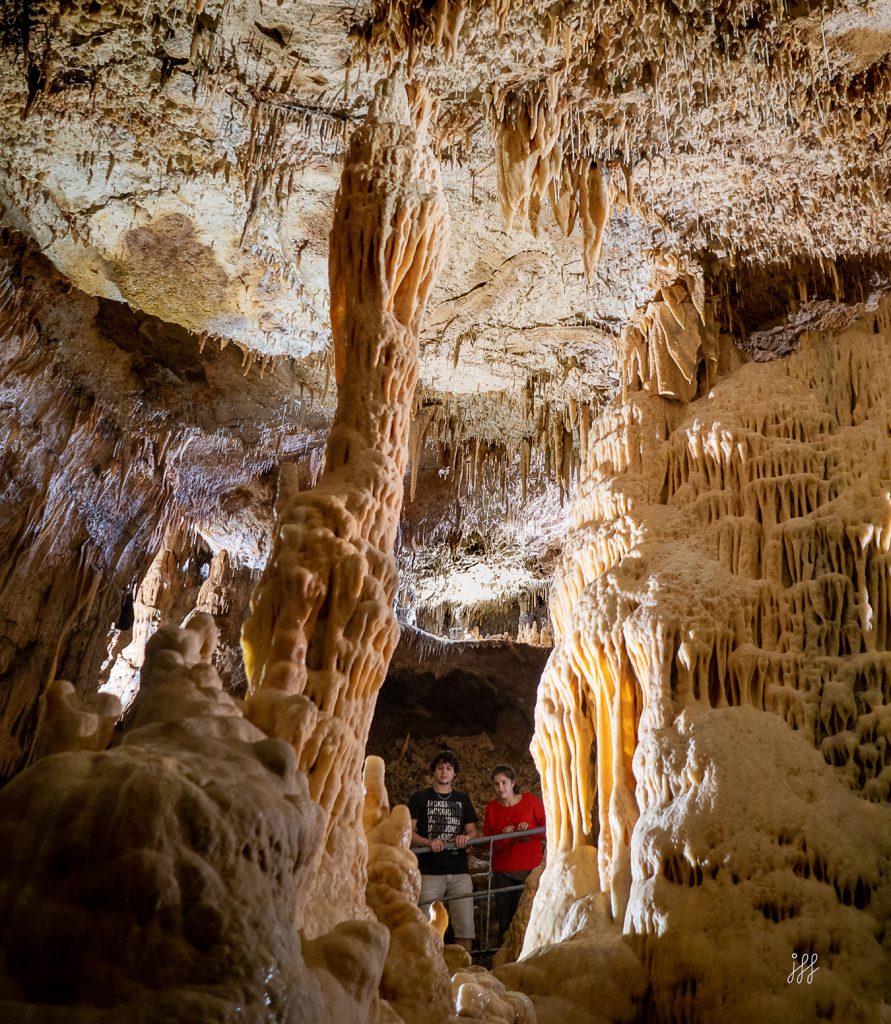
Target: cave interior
(393, 375)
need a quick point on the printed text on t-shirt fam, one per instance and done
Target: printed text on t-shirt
(443, 819)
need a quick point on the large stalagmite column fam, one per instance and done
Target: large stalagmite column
(322, 629)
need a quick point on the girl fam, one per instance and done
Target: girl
(512, 859)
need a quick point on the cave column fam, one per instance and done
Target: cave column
(322, 629)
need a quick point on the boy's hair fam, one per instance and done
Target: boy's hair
(444, 757)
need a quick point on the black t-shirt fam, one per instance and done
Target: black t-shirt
(442, 817)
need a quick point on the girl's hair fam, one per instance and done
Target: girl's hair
(505, 769)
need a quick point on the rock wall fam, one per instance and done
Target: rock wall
(114, 427)
(80, 503)
(712, 728)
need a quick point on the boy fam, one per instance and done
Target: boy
(441, 815)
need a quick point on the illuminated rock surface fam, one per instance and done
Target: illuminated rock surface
(723, 619)
(650, 428)
(322, 629)
(172, 870)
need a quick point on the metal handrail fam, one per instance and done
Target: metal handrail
(479, 840)
(481, 894)
(486, 894)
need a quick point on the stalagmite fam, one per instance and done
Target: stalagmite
(173, 871)
(415, 982)
(68, 724)
(322, 631)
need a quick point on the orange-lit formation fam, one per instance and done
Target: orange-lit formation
(508, 377)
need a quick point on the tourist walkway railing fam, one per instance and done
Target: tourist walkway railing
(486, 894)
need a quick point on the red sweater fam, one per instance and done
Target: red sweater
(515, 854)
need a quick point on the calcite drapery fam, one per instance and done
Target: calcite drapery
(671, 340)
(322, 629)
(729, 559)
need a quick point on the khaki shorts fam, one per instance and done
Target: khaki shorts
(455, 891)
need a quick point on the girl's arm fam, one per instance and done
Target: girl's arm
(539, 812)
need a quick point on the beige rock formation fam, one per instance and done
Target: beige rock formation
(172, 870)
(512, 947)
(114, 427)
(415, 982)
(655, 356)
(69, 724)
(722, 618)
(322, 629)
(162, 587)
(66, 462)
(588, 974)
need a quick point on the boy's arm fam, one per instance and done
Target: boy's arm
(419, 840)
(469, 833)
(469, 824)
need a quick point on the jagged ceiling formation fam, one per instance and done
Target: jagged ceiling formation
(751, 130)
(184, 159)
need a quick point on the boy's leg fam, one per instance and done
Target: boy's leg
(458, 894)
(433, 887)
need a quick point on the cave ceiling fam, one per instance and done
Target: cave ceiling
(183, 159)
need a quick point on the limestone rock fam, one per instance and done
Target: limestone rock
(172, 870)
(722, 619)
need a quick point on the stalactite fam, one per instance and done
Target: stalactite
(594, 207)
(525, 460)
(419, 425)
(684, 90)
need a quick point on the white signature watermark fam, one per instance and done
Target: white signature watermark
(803, 971)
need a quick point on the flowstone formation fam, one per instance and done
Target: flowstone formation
(322, 630)
(172, 871)
(713, 726)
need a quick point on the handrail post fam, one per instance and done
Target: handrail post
(489, 893)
